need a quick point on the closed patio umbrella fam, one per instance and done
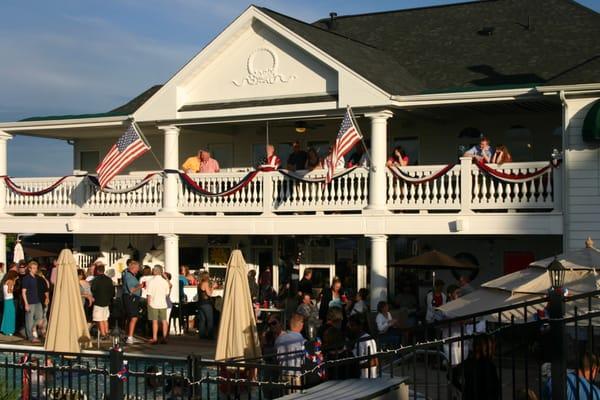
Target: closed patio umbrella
(238, 336)
(18, 253)
(67, 327)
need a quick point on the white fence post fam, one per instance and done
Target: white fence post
(466, 183)
(4, 138)
(557, 188)
(268, 198)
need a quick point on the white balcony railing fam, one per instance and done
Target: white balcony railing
(442, 193)
(464, 188)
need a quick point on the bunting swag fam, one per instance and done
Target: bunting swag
(94, 181)
(398, 173)
(515, 178)
(185, 178)
(17, 189)
(301, 178)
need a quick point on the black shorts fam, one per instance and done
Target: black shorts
(131, 305)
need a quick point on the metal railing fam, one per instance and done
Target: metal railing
(450, 359)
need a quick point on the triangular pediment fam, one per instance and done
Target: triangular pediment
(255, 64)
(260, 64)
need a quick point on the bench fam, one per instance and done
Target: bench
(355, 389)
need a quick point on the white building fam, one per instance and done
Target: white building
(526, 74)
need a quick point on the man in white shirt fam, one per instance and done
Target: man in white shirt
(290, 346)
(157, 290)
(365, 346)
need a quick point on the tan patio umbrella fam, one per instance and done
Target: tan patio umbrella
(238, 336)
(486, 299)
(533, 283)
(433, 260)
(67, 327)
(583, 259)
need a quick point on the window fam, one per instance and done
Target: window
(283, 150)
(223, 153)
(89, 160)
(258, 153)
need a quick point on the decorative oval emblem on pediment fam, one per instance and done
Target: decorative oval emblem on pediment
(263, 68)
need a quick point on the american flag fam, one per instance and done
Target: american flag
(347, 137)
(129, 147)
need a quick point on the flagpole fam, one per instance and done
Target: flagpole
(360, 134)
(145, 139)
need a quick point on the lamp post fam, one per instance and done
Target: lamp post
(556, 311)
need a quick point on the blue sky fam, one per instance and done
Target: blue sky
(73, 56)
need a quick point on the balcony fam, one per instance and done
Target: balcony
(463, 189)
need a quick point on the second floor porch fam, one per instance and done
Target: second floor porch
(463, 188)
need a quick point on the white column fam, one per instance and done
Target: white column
(377, 174)
(379, 279)
(171, 161)
(4, 138)
(172, 263)
(3, 251)
(466, 185)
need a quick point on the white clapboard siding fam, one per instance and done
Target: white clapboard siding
(582, 170)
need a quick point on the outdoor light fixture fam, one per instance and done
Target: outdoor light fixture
(557, 274)
(300, 127)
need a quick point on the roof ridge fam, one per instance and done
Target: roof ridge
(319, 28)
(400, 10)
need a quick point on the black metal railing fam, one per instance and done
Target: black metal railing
(456, 358)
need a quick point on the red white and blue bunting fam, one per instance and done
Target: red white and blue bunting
(516, 178)
(250, 176)
(19, 190)
(398, 173)
(93, 179)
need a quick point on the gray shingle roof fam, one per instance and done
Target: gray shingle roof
(446, 48)
(386, 72)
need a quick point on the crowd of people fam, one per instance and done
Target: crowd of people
(298, 160)
(28, 289)
(309, 159)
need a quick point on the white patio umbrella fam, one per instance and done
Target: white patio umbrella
(238, 336)
(67, 327)
(18, 253)
(587, 258)
(530, 284)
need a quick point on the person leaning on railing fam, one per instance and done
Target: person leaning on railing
(482, 152)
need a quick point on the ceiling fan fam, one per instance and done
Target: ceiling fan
(303, 126)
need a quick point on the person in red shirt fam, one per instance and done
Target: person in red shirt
(271, 161)
(398, 158)
(435, 299)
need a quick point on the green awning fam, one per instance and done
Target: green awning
(591, 124)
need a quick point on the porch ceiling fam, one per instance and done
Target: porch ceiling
(453, 111)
